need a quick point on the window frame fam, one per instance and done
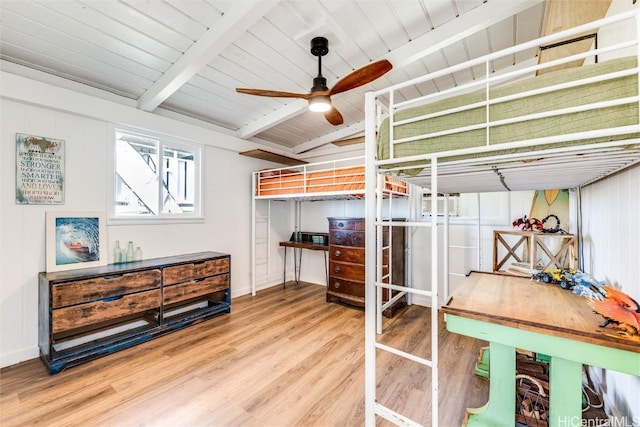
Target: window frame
(164, 141)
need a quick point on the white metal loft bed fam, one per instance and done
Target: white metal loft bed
(342, 179)
(561, 129)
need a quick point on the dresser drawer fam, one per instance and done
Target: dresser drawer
(354, 255)
(195, 288)
(347, 254)
(98, 288)
(354, 224)
(346, 238)
(64, 319)
(347, 270)
(352, 292)
(197, 270)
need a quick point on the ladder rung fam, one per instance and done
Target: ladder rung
(404, 354)
(394, 417)
(403, 289)
(392, 301)
(404, 223)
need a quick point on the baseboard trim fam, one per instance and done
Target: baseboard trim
(9, 359)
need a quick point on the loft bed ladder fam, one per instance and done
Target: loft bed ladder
(375, 224)
(260, 241)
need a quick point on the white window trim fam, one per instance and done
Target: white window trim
(184, 218)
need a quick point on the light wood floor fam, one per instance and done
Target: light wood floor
(282, 358)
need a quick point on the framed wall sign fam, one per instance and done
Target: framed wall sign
(75, 240)
(39, 170)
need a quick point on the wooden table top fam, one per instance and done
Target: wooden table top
(305, 245)
(530, 305)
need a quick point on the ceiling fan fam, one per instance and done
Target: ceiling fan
(320, 95)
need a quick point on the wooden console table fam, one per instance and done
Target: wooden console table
(513, 312)
(532, 243)
(87, 313)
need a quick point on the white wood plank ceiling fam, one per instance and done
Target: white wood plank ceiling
(184, 58)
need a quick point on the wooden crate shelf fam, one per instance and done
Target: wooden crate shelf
(534, 249)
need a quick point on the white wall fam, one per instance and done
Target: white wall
(82, 121)
(611, 234)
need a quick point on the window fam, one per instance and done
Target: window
(440, 200)
(155, 178)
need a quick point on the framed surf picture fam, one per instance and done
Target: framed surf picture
(75, 240)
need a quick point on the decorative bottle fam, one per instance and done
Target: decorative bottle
(130, 251)
(116, 253)
(137, 255)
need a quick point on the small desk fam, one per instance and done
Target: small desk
(297, 258)
(513, 312)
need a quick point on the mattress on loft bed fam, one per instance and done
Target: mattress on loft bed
(281, 182)
(609, 117)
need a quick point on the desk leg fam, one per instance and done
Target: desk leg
(565, 390)
(326, 268)
(500, 410)
(284, 269)
(297, 264)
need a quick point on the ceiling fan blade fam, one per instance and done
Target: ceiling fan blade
(272, 93)
(361, 76)
(334, 117)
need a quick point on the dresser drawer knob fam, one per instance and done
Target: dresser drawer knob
(338, 253)
(337, 269)
(340, 224)
(336, 285)
(114, 298)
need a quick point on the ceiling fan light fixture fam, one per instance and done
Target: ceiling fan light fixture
(320, 103)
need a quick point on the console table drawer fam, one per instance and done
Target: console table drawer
(67, 318)
(98, 288)
(197, 288)
(186, 272)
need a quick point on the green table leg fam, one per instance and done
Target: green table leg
(565, 389)
(500, 411)
(566, 375)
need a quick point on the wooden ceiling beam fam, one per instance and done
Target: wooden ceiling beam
(232, 25)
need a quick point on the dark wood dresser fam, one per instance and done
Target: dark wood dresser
(92, 312)
(347, 261)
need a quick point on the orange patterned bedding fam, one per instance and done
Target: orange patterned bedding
(272, 183)
(349, 179)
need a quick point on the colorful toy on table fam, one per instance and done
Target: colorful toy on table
(534, 224)
(620, 311)
(563, 276)
(580, 283)
(528, 224)
(585, 285)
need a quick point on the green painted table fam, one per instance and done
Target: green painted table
(513, 312)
